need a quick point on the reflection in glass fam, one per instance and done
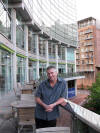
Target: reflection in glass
(6, 82)
(21, 70)
(19, 32)
(56, 17)
(5, 21)
(32, 70)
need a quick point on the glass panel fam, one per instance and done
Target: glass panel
(71, 68)
(61, 68)
(70, 55)
(5, 21)
(31, 43)
(42, 69)
(32, 70)
(61, 52)
(52, 64)
(21, 74)
(42, 45)
(6, 81)
(19, 32)
(52, 50)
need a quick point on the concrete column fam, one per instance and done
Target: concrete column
(75, 59)
(13, 39)
(37, 53)
(57, 57)
(26, 49)
(66, 58)
(47, 54)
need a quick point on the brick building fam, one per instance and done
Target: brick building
(87, 54)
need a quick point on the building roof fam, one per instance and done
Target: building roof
(89, 18)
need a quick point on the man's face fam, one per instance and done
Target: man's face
(52, 74)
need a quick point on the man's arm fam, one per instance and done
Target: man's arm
(59, 101)
(39, 101)
(45, 106)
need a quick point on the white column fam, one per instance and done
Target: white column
(13, 39)
(37, 53)
(57, 57)
(75, 59)
(47, 53)
(26, 49)
(66, 58)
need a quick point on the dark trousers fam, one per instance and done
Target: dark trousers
(44, 123)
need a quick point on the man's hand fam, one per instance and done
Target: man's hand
(64, 103)
(50, 107)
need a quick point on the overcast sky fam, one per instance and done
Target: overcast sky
(88, 8)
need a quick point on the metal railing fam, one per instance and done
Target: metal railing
(83, 120)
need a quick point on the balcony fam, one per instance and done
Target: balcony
(86, 70)
(81, 121)
(91, 50)
(88, 38)
(80, 118)
(77, 51)
(91, 63)
(88, 31)
(77, 58)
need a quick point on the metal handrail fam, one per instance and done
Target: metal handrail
(85, 116)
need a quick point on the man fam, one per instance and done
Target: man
(49, 95)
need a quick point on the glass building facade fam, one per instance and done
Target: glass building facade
(57, 18)
(6, 76)
(21, 70)
(36, 34)
(5, 20)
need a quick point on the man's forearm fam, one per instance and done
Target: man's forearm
(39, 101)
(59, 101)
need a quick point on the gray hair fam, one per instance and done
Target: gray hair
(50, 67)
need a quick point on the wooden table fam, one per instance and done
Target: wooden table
(25, 113)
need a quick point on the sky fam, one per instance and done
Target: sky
(88, 8)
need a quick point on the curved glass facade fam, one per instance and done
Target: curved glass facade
(56, 17)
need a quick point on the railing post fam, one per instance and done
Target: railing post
(74, 127)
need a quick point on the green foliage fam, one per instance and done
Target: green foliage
(94, 98)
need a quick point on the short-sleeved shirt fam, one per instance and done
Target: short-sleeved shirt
(49, 95)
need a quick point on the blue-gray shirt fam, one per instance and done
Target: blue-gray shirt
(49, 95)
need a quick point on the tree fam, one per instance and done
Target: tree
(94, 98)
